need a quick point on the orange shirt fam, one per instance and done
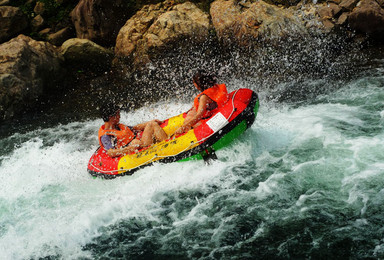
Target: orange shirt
(123, 136)
(217, 93)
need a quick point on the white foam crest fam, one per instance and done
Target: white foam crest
(48, 183)
(305, 197)
(367, 168)
(379, 249)
(366, 151)
(196, 216)
(294, 126)
(356, 195)
(269, 130)
(89, 204)
(37, 191)
(269, 187)
(80, 205)
(308, 164)
(34, 165)
(373, 172)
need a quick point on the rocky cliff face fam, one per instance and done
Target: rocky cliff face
(155, 27)
(367, 17)
(28, 67)
(99, 20)
(12, 22)
(244, 24)
(247, 23)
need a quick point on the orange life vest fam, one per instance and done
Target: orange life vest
(123, 136)
(217, 93)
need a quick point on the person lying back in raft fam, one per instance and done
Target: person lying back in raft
(212, 96)
(118, 139)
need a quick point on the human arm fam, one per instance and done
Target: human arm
(204, 102)
(114, 152)
(108, 143)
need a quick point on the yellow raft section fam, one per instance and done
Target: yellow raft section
(163, 149)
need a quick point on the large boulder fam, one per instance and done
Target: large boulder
(4, 2)
(329, 14)
(83, 53)
(328, 10)
(28, 69)
(59, 37)
(248, 22)
(368, 17)
(156, 27)
(100, 20)
(309, 14)
(348, 5)
(37, 23)
(12, 22)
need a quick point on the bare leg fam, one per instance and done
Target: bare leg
(133, 146)
(135, 143)
(191, 113)
(152, 131)
(159, 133)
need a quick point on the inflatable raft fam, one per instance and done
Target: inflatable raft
(212, 134)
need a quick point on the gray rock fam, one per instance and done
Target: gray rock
(28, 69)
(45, 31)
(258, 21)
(342, 19)
(156, 27)
(4, 2)
(60, 36)
(83, 52)
(348, 4)
(329, 10)
(367, 17)
(12, 22)
(37, 23)
(39, 8)
(99, 20)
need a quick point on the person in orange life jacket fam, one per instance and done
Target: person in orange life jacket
(212, 96)
(118, 139)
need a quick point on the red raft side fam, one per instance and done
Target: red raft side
(102, 162)
(240, 100)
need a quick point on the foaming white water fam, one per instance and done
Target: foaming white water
(49, 205)
(41, 192)
(339, 148)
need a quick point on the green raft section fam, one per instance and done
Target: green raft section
(226, 139)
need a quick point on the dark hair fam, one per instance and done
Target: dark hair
(108, 110)
(204, 79)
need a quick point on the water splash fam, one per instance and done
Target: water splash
(304, 181)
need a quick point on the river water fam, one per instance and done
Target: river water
(305, 181)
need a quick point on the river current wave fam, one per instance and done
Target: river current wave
(305, 181)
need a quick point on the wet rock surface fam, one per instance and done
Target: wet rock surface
(132, 42)
(155, 27)
(28, 68)
(12, 22)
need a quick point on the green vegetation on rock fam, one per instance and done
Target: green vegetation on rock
(55, 14)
